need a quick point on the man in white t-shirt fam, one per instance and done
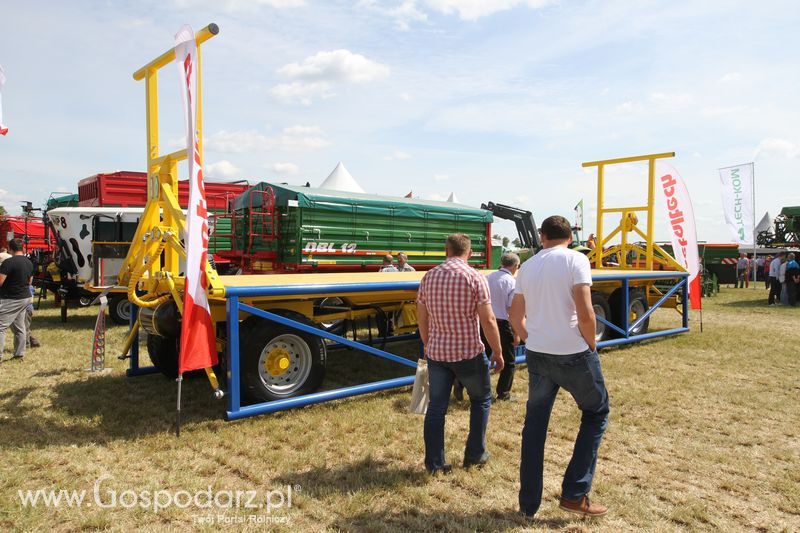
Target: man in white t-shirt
(552, 312)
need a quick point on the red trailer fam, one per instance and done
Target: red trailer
(30, 230)
(129, 189)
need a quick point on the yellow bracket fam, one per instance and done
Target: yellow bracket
(628, 216)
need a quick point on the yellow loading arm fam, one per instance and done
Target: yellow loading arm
(629, 221)
(153, 260)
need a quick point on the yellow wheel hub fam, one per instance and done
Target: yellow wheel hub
(277, 362)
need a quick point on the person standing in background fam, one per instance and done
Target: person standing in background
(501, 288)
(388, 264)
(774, 282)
(16, 276)
(741, 271)
(4, 254)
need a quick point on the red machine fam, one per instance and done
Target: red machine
(20, 227)
(129, 189)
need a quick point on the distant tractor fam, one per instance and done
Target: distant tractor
(786, 232)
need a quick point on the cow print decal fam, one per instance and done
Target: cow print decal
(84, 232)
(77, 251)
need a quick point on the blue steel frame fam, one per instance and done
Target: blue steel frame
(236, 410)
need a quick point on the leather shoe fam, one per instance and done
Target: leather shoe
(479, 462)
(583, 506)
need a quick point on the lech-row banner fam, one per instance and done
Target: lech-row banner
(737, 201)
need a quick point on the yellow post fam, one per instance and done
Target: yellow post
(598, 237)
(651, 181)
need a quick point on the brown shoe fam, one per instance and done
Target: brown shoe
(583, 507)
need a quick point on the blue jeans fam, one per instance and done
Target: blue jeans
(474, 375)
(581, 376)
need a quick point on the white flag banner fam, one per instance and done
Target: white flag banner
(198, 344)
(677, 205)
(737, 201)
(3, 128)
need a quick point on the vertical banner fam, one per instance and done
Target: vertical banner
(198, 342)
(3, 128)
(678, 208)
(579, 216)
(737, 201)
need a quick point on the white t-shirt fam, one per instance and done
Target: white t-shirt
(546, 281)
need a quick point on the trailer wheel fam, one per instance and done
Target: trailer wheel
(119, 308)
(280, 362)
(637, 306)
(163, 353)
(334, 326)
(601, 310)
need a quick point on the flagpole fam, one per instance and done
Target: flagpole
(753, 190)
(178, 419)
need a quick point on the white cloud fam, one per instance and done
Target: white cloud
(628, 108)
(316, 75)
(777, 148)
(9, 200)
(403, 14)
(302, 93)
(475, 9)
(291, 139)
(222, 169)
(516, 118)
(285, 168)
(233, 6)
(397, 156)
(440, 177)
(731, 77)
(335, 66)
(405, 97)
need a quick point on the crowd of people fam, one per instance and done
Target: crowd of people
(548, 308)
(16, 298)
(782, 275)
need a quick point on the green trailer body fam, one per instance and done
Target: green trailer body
(326, 229)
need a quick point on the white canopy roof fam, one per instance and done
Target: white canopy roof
(452, 198)
(341, 180)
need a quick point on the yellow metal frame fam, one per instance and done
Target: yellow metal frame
(153, 260)
(629, 220)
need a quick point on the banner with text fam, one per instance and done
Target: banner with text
(680, 216)
(737, 201)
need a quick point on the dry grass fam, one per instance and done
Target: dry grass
(703, 436)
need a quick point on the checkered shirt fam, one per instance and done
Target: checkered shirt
(451, 292)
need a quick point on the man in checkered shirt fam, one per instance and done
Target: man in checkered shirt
(453, 299)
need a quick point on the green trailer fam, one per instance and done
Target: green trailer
(278, 228)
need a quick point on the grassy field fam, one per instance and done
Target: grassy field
(703, 435)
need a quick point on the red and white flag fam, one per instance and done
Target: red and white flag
(3, 128)
(409, 194)
(198, 342)
(680, 216)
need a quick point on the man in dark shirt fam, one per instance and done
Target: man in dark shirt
(16, 274)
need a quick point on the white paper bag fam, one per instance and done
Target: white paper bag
(420, 395)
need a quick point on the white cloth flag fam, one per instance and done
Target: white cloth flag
(677, 206)
(198, 344)
(3, 128)
(737, 201)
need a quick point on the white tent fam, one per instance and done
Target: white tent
(452, 198)
(765, 224)
(341, 180)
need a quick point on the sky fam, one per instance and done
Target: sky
(495, 100)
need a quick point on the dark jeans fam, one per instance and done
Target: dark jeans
(791, 291)
(474, 375)
(506, 379)
(580, 374)
(774, 290)
(740, 278)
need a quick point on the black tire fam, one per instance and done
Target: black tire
(337, 327)
(637, 306)
(601, 310)
(265, 344)
(85, 301)
(119, 309)
(163, 353)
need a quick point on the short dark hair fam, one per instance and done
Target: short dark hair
(388, 259)
(556, 228)
(458, 243)
(15, 245)
(509, 259)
